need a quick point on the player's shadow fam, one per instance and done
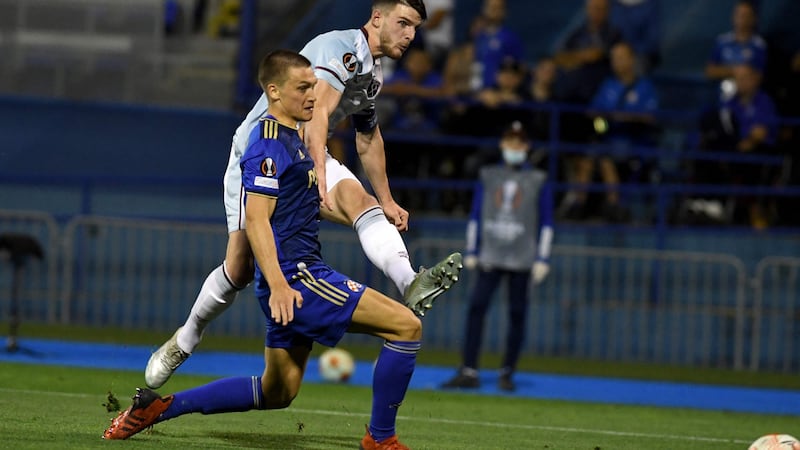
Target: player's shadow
(287, 441)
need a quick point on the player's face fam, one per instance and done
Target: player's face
(398, 29)
(297, 95)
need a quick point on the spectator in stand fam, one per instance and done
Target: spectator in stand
(742, 45)
(414, 83)
(745, 124)
(584, 55)
(493, 107)
(438, 30)
(639, 23)
(623, 110)
(461, 77)
(541, 90)
(495, 42)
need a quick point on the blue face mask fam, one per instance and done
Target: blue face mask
(514, 157)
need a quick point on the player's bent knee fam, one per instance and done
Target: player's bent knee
(411, 328)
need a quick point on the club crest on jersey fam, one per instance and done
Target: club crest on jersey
(354, 286)
(350, 62)
(268, 167)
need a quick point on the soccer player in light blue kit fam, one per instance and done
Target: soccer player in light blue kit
(304, 300)
(348, 66)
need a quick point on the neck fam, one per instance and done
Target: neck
(373, 41)
(627, 78)
(283, 119)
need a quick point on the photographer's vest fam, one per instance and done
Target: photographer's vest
(509, 217)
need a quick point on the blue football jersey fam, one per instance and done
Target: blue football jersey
(277, 164)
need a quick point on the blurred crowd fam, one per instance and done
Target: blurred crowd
(603, 72)
(604, 69)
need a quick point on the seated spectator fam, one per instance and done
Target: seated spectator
(411, 85)
(488, 112)
(584, 55)
(438, 30)
(746, 123)
(741, 45)
(639, 23)
(541, 89)
(495, 42)
(462, 76)
(623, 108)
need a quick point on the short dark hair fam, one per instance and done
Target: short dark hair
(417, 5)
(275, 66)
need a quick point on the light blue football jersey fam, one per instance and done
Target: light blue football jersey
(341, 58)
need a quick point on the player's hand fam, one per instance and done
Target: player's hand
(396, 215)
(282, 301)
(539, 271)
(470, 262)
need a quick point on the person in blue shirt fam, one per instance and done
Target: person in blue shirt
(741, 45)
(495, 42)
(509, 236)
(639, 23)
(623, 108)
(584, 56)
(304, 300)
(747, 123)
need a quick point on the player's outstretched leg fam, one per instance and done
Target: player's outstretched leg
(147, 406)
(163, 363)
(431, 283)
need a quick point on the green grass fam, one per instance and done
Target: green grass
(60, 407)
(54, 407)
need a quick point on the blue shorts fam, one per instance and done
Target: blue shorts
(329, 300)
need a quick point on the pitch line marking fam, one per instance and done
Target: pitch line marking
(449, 421)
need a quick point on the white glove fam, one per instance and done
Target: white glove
(539, 271)
(470, 262)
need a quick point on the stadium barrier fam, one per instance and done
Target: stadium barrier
(615, 304)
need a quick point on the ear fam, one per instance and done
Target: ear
(376, 18)
(273, 93)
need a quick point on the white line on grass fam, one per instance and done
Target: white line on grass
(452, 421)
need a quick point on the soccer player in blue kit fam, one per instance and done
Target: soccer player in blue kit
(347, 64)
(304, 300)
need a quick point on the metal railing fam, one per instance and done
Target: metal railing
(605, 303)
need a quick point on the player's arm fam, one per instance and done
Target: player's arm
(258, 210)
(371, 153)
(316, 132)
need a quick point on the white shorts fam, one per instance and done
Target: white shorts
(234, 191)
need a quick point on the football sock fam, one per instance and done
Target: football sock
(390, 381)
(216, 295)
(221, 396)
(384, 247)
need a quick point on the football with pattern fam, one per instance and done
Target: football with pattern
(336, 365)
(775, 442)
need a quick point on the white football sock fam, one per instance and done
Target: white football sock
(384, 247)
(216, 295)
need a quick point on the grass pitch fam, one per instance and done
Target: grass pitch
(56, 407)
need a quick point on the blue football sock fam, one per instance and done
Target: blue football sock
(389, 384)
(221, 396)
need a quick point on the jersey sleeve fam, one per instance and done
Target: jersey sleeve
(333, 59)
(262, 164)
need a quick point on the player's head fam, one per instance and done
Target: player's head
(288, 82)
(393, 25)
(514, 144)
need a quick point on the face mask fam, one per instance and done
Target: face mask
(513, 157)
